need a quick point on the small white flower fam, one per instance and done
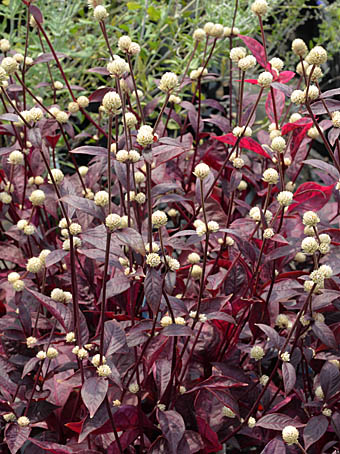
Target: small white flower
(285, 356)
(201, 171)
(251, 422)
(159, 218)
(166, 321)
(227, 412)
(257, 352)
(41, 355)
(145, 135)
(104, 370)
(134, 388)
(168, 82)
(51, 353)
(309, 245)
(264, 380)
(153, 259)
(23, 421)
(101, 198)
(31, 341)
(290, 435)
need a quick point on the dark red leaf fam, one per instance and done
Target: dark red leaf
(114, 337)
(53, 140)
(277, 421)
(329, 380)
(210, 438)
(256, 49)
(44, 58)
(93, 393)
(324, 334)
(289, 376)
(285, 76)
(99, 70)
(54, 448)
(272, 334)
(90, 150)
(172, 427)
(131, 238)
(333, 134)
(314, 430)
(36, 13)
(251, 81)
(16, 436)
(279, 99)
(153, 289)
(86, 205)
(303, 122)
(55, 257)
(311, 196)
(59, 311)
(275, 446)
(251, 144)
(177, 330)
(322, 165)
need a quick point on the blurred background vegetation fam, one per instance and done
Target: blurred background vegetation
(164, 29)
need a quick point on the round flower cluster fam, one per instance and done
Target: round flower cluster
(309, 245)
(310, 218)
(153, 259)
(268, 233)
(197, 73)
(299, 47)
(100, 13)
(313, 92)
(168, 82)
(130, 120)
(57, 176)
(113, 221)
(282, 321)
(199, 34)
(290, 435)
(31, 341)
(51, 353)
(247, 63)
(278, 144)
(237, 53)
(239, 131)
(172, 263)
(285, 198)
(101, 198)
(59, 295)
(166, 321)
(297, 97)
(215, 30)
(37, 197)
(145, 136)
(111, 102)
(34, 265)
(270, 176)
(193, 258)
(285, 356)
(16, 158)
(9, 65)
(196, 272)
(104, 370)
(201, 171)
(228, 31)
(117, 67)
(317, 56)
(67, 243)
(23, 421)
(313, 132)
(259, 7)
(159, 218)
(336, 118)
(256, 352)
(255, 214)
(276, 63)
(265, 78)
(70, 337)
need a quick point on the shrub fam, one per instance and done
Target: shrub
(180, 292)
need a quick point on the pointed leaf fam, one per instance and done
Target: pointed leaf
(16, 436)
(275, 446)
(324, 334)
(153, 288)
(114, 337)
(329, 380)
(93, 393)
(131, 238)
(90, 150)
(173, 427)
(256, 49)
(277, 421)
(314, 430)
(289, 376)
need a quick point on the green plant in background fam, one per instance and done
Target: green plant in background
(160, 26)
